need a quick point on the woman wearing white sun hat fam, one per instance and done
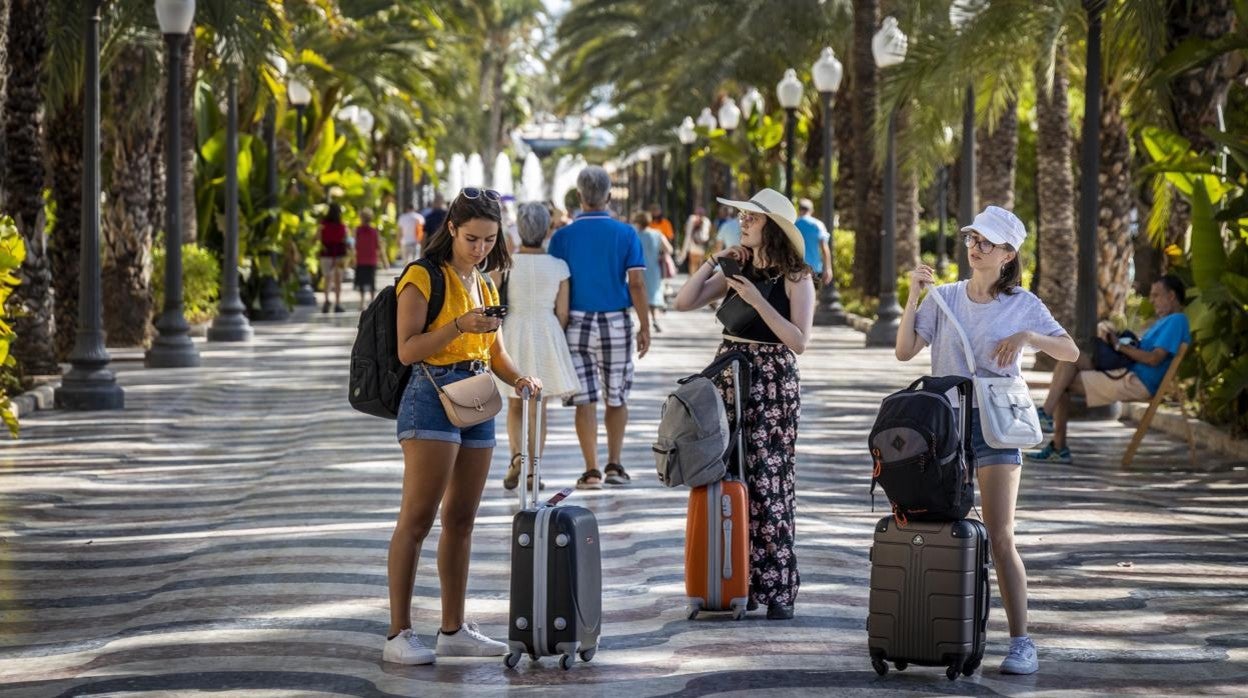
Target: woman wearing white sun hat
(767, 312)
(999, 318)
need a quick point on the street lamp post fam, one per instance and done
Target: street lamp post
(961, 14)
(729, 119)
(301, 96)
(707, 121)
(889, 49)
(173, 347)
(827, 73)
(687, 136)
(789, 92)
(1089, 204)
(231, 324)
(90, 385)
(942, 211)
(272, 304)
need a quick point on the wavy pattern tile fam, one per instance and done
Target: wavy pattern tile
(227, 532)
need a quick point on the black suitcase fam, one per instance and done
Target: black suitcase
(556, 571)
(929, 595)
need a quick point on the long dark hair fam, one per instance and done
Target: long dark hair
(782, 259)
(334, 214)
(1011, 275)
(439, 247)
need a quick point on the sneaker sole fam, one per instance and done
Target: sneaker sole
(393, 660)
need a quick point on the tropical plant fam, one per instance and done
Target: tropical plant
(201, 274)
(12, 252)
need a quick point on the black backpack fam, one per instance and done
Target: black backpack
(921, 448)
(378, 378)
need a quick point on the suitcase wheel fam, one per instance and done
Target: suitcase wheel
(953, 671)
(880, 667)
(511, 660)
(693, 613)
(588, 654)
(566, 662)
(900, 666)
(970, 667)
(738, 614)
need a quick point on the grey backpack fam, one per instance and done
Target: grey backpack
(692, 445)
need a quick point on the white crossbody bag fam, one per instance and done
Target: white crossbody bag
(1007, 416)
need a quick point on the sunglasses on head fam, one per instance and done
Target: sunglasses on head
(477, 193)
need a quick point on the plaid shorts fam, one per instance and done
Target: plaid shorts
(602, 348)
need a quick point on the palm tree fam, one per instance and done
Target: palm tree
(867, 194)
(4, 74)
(1055, 184)
(24, 178)
(508, 25)
(997, 145)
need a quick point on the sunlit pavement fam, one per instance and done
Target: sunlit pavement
(227, 532)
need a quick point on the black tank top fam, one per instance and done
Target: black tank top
(755, 329)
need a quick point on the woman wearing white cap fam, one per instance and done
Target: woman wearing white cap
(999, 318)
(767, 312)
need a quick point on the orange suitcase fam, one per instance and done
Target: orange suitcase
(717, 531)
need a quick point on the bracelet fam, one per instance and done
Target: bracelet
(457, 327)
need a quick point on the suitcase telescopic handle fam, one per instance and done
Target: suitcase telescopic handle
(530, 449)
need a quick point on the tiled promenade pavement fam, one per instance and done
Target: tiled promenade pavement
(227, 532)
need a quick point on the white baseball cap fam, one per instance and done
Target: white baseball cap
(999, 226)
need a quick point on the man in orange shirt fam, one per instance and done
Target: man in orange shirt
(660, 223)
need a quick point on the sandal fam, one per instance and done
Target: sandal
(583, 482)
(616, 475)
(528, 483)
(512, 478)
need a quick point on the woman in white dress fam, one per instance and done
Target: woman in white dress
(533, 332)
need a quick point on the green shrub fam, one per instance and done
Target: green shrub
(201, 278)
(12, 252)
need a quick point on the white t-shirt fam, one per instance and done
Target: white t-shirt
(407, 227)
(985, 325)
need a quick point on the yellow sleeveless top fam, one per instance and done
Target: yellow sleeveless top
(468, 346)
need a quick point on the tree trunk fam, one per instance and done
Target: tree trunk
(843, 141)
(998, 155)
(131, 216)
(190, 141)
(4, 75)
(1115, 246)
(906, 252)
(1057, 243)
(1195, 97)
(867, 195)
(65, 161)
(34, 349)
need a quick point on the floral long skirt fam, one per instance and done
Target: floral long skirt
(771, 413)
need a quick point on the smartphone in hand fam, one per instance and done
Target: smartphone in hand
(498, 311)
(730, 266)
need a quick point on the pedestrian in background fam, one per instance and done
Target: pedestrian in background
(608, 268)
(767, 312)
(411, 225)
(538, 294)
(333, 235)
(697, 237)
(659, 222)
(369, 250)
(654, 247)
(815, 234)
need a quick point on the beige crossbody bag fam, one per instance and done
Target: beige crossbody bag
(470, 401)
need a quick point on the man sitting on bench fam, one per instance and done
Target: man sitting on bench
(1136, 383)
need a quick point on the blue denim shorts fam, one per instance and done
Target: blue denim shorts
(987, 455)
(421, 415)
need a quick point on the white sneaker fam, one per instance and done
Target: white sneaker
(406, 648)
(469, 642)
(1021, 658)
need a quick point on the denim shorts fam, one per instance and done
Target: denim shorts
(986, 455)
(421, 415)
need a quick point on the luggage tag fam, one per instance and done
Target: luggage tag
(559, 496)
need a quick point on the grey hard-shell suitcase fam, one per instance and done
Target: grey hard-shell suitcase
(556, 571)
(929, 595)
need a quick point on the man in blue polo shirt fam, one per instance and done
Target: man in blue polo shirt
(605, 258)
(816, 236)
(1139, 382)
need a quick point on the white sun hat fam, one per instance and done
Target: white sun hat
(999, 227)
(778, 208)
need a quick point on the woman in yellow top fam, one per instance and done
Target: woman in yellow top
(444, 464)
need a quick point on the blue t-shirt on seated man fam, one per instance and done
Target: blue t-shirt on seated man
(1167, 333)
(599, 251)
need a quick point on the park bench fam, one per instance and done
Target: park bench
(1168, 385)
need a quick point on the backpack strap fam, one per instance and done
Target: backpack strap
(437, 288)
